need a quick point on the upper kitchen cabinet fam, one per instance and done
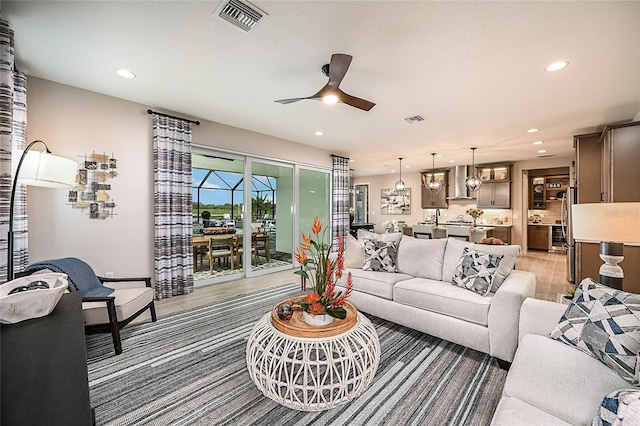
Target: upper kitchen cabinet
(496, 172)
(620, 157)
(495, 192)
(436, 200)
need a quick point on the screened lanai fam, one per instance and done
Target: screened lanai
(223, 242)
(218, 188)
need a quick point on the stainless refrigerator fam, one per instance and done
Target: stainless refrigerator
(569, 198)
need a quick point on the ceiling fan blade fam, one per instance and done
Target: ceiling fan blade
(355, 102)
(338, 68)
(289, 101)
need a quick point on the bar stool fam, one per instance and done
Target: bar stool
(460, 232)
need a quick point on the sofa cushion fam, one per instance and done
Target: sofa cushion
(512, 411)
(128, 301)
(453, 253)
(421, 257)
(443, 298)
(353, 253)
(559, 379)
(619, 408)
(393, 236)
(476, 271)
(605, 323)
(375, 283)
(380, 255)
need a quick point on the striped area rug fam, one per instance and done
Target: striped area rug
(189, 369)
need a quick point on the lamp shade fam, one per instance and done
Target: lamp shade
(46, 170)
(612, 222)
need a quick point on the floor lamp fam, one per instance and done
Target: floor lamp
(612, 225)
(38, 169)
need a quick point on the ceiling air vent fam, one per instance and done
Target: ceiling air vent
(414, 119)
(240, 15)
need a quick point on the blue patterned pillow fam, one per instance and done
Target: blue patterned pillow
(476, 271)
(621, 407)
(380, 255)
(604, 323)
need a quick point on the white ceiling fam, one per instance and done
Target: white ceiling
(474, 70)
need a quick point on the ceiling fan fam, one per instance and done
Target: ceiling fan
(331, 93)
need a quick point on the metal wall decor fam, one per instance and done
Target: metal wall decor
(91, 191)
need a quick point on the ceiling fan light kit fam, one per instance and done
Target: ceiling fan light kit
(434, 185)
(400, 186)
(331, 92)
(473, 182)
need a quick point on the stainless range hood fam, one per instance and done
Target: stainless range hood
(460, 174)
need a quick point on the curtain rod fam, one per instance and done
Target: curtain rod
(150, 111)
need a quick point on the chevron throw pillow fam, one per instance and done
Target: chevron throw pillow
(604, 323)
(476, 271)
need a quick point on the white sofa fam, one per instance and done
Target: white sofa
(550, 382)
(422, 297)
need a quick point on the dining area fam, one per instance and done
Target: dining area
(222, 253)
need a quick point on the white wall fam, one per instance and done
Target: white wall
(411, 180)
(74, 122)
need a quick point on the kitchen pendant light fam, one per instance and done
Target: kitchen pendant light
(434, 185)
(473, 183)
(400, 184)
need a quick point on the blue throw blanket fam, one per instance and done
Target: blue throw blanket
(81, 276)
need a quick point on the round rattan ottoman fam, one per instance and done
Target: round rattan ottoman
(310, 369)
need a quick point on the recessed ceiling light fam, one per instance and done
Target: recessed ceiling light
(393, 171)
(538, 143)
(406, 167)
(319, 133)
(439, 156)
(352, 161)
(125, 73)
(542, 151)
(556, 66)
(452, 161)
(533, 130)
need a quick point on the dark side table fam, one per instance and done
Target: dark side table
(44, 369)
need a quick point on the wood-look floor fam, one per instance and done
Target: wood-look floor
(549, 268)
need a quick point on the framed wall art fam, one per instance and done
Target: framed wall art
(393, 203)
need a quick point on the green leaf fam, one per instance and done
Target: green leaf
(338, 312)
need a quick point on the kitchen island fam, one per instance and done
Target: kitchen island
(471, 233)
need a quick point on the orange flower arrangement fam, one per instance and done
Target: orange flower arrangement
(318, 268)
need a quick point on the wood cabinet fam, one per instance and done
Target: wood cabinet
(44, 368)
(537, 193)
(494, 173)
(495, 195)
(437, 200)
(607, 170)
(502, 233)
(587, 167)
(538, 237)
(620, 159)
(495, 192)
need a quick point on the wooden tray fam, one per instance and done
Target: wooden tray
(296, 326)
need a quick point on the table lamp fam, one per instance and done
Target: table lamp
(611, 224)
(38, 169)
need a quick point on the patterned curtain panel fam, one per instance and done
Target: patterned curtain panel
(340, 216)
(13, 132)
(173, 207)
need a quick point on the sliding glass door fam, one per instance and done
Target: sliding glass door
(314, 195)
(271, 206)
(248, 213)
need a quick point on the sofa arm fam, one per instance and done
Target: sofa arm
(504, 313)
(539, 317)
